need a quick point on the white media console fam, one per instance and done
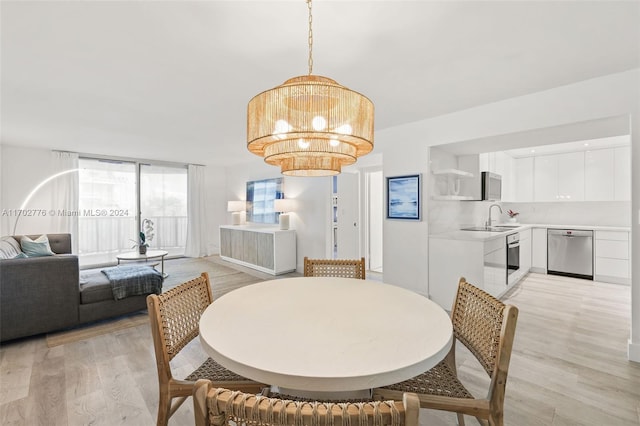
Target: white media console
(266, 249)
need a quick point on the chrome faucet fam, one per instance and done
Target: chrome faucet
(492, 205)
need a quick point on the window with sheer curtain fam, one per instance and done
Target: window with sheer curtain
(112, 206)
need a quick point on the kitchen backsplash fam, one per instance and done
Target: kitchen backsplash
(445, 216)
(602, 213)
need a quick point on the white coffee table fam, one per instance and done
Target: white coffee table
(322, 336)
(151, 254)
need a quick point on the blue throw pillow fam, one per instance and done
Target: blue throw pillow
(20, 255)
(36, 248)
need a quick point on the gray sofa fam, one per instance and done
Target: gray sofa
(43, 294)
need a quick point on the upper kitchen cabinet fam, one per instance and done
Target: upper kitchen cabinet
(622, 173)
(608, 174)
(599, 174)
(571, 176)
(545, 178)
(559, 177)
(523, 177)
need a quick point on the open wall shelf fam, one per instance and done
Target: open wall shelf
(452, 183)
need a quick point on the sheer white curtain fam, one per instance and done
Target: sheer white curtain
(197, 226)
(65, 195)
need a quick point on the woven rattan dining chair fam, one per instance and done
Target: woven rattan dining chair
(221, 407)
(486, 326)
(343, 268)
(174, 317)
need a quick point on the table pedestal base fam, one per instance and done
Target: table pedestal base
(363, 394)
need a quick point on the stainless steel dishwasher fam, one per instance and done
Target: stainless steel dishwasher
(570, 253)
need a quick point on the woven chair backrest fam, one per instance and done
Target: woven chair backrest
(227, 407)
(477, 323)
(342, 268)
(180, 310)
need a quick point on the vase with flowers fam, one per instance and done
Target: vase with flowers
(144, 237)
(513, 216)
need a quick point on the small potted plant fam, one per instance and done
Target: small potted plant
(145, 236)
(512, 215)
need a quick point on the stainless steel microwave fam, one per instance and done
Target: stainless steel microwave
(491, 186)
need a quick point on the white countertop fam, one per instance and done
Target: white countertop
(325, 334)
(486, 235)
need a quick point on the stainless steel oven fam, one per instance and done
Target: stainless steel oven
(513, 257)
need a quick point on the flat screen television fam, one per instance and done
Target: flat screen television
(260, 196)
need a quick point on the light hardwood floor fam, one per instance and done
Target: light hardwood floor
(569, 367)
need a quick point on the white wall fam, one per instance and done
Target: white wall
(405, 250)
(634, 340)
(22, 170)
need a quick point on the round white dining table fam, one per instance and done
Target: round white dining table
(325, 335)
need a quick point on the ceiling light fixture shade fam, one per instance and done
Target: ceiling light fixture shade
(310, 125)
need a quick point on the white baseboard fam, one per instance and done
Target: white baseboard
(612, 280)
(633, 352)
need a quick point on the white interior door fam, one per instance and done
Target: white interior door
(348, 229)
(375, 215)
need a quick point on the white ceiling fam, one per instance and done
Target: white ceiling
(170, 80)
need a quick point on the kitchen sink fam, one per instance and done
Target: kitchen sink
(489, 228)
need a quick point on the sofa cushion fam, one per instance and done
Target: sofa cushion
(94, 287)
(10, 248)
(36, 248)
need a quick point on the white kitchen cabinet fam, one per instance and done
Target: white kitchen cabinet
(495, 267)
(571, 176)
(612, 257)
(545, 178)
(449, 260)
(539, 250)
(525, 252)
(269, 250)
(523, 176)
(622, 173)
(599, 175)
(482, 263)
(559, 177)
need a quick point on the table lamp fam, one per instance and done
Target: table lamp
(235, 207)
(283, 206)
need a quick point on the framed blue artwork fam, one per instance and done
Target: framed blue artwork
(403, 197)
(260, 197)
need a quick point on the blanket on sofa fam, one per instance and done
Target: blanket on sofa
(133, 280)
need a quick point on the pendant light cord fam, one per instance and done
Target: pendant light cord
(310, 38)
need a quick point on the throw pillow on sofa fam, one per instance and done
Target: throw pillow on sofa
(36, 248)
(10, 249)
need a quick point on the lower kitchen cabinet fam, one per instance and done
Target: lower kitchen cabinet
(526, 246)
(495, 266)
(483, 263)
(448, 261)
(539, 250)
(269, 250)
(611, 254)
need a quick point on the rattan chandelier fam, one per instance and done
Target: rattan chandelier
(310, 125)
